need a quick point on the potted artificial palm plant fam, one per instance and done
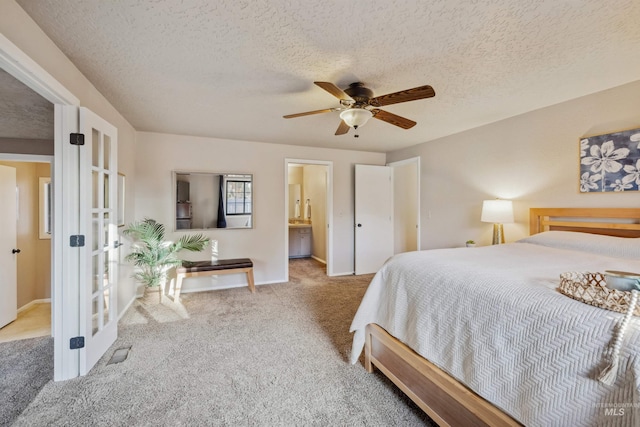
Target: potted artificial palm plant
(153, 256)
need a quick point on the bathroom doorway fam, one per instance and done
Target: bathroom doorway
(308, 211)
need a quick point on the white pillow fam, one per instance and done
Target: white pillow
(619, 247)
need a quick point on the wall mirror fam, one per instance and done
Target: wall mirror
(206, 200)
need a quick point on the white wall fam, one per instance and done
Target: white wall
(22, 31)
(157, 155)
(532, 159)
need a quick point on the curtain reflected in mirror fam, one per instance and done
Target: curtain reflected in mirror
(213, 200)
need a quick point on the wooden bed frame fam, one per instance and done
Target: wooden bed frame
(447, 401)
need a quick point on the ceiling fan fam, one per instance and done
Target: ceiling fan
(358, 105)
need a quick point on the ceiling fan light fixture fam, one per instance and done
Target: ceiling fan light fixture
(356, 117)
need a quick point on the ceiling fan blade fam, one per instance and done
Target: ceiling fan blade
(342, 128)
(333, 90)
(308, 113)
(393, 119)
(403, 96)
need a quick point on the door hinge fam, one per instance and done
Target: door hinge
(76, 241)
(76, 342)
(76, 138)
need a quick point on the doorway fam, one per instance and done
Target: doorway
(308, 211)
(27, 146)
(406, 205)
(33, 241)
(387, 212)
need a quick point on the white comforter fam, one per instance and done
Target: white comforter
(492, 318)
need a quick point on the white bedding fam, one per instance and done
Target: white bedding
(492, 318)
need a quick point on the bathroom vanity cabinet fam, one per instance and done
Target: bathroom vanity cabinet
(299, 241)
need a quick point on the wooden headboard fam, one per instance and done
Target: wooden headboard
(621, 222)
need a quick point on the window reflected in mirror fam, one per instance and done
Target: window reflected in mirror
(213, 200)
(45, 208)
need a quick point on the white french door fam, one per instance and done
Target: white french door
(373, 218)
(98, 222)
(84, 310)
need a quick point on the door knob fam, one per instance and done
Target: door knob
(15, 251)
(359, 225)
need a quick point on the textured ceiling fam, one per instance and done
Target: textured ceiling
(233, 68)
(23, 113)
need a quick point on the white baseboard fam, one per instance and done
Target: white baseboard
(348, 273)
(203, 289)
(319, 260)
(212, 288)
(237, 285)
(271, 282)
(129, 304)
(34, 302)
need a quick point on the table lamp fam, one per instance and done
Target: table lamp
(498, 212)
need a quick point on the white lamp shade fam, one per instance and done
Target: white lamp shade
(497, 211)
(356, 116)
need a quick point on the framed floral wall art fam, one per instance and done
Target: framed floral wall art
(610, 162)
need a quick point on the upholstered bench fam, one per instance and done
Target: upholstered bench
(211, 268)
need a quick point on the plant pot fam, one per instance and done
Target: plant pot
(140, 288)
(471, 245)
(151, 292)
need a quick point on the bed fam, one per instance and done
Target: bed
(499, 345)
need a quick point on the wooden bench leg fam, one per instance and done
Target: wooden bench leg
(252, 285)
(176, 292)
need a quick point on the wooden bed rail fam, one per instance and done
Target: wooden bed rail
(445, 400)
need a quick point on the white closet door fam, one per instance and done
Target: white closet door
(374, 218)
(8, 249)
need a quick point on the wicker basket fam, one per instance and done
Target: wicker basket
(590, 288)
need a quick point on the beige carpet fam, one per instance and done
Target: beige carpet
(26, 366)
(231, 358)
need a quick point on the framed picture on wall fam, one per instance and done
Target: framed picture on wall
(610, 162)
